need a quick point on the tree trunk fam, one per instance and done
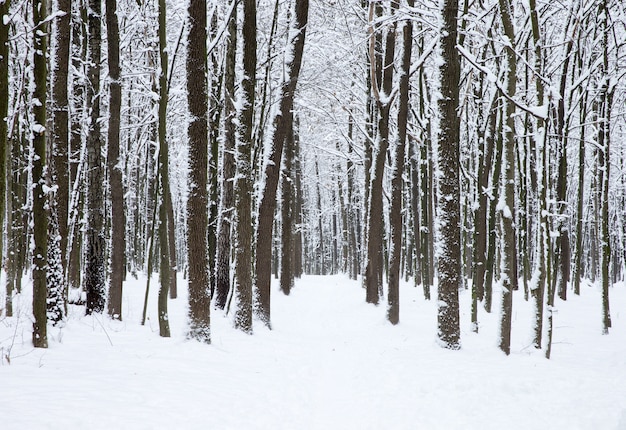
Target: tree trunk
(118, 217)
(40, 219)
(449, 258)
(480, 217)
(372, 278)
(226, 218)
(215, 109)
(4, 138)
(509, 266)
(604, 143)
(298, 203)
(578, 272)
(60, 121)
(95, 264)
(287, 205)
(197, 202)
(163, 172)
(426, 232)
(245, 176)
(395, 216)
(283, 127)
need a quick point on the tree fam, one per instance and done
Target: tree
(244, 177)
(60, 120)
(118, 215)
(197, 203)
(605, 96)
(4, 109)
(395, 216)
(509, 261)
(372, 278)
(449, 259)
(287, 217)
(222, 260)
(40, 218)
(96, 242)
(283, 128)
(164, 179)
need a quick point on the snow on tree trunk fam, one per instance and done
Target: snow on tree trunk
(244, 230)
(38, 160)
(449, 249)
(94, 277)
(197, 202)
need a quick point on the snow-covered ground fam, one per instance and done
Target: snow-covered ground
(330, 362)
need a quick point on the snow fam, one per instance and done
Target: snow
(331, 362)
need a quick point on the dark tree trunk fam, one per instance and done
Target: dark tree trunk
(215, 109)
(283, 127)
(298, 203)
(164, 182)
(77, 202)
(480, 216)
(171, 239)
(372, 278)
(40, 219)
(286, 250)
(426, 256)
(222, 264)
(95, 264)
(509, 252)
(4, 138)
(245, 176)
(449, 258)
(118, 217)
(197, 202)
(60, 121)
(395, 216)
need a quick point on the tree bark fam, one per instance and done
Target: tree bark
(40, 219)
(372, 279)
(283, 127)
(509, 266)
(226, 218)
(197, 202)
(449, 258)
(395, 216)
(286, 250)
(95, 264)
(245, 176)
(60, 121)
(118, 217)
(4, 138)
(163, 172)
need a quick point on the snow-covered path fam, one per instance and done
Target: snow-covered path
(330, 362)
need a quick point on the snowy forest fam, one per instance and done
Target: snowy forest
(194, 168)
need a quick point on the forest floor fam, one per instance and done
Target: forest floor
(330, 362)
